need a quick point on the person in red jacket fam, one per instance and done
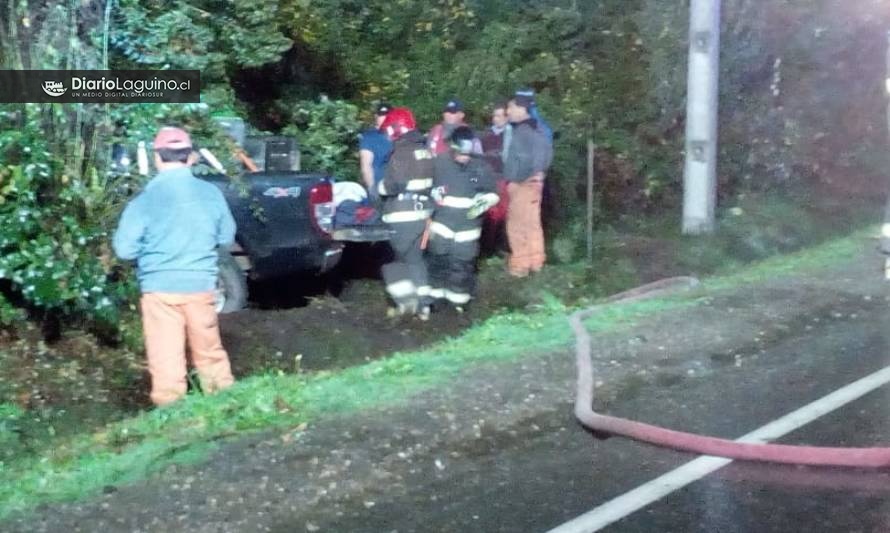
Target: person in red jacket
(452, 117)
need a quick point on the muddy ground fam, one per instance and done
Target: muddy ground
(308, 324)
(75, 383)
(298, 325)
(315, 324)
(303, 480)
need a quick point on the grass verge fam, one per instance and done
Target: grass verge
(130, 450)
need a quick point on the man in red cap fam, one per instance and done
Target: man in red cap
(173, 229)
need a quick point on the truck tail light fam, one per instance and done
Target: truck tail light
(321, 206)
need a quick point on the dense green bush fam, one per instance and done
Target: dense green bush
(327, 131)
(59, 203)
(53, 205)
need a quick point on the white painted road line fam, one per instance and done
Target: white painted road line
(630, 502)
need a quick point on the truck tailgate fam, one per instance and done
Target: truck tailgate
(376, 233)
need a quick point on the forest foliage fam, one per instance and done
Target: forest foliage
(608, 70)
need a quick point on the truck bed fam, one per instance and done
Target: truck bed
(276, 229)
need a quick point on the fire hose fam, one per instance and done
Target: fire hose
(603, 425)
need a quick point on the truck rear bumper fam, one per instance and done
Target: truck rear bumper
(362, 234)
(332, 257)
(310, 260)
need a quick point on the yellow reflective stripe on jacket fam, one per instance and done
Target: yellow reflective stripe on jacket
(407, 216)
(457, 202)
(457, 297)
(415, 185)
(457, 236)
(468, 236)
(419, 184)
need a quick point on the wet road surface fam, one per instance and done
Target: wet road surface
(553, 471)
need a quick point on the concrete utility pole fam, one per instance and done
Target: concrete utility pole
(887, 84)
(885, 227)
(700, 170)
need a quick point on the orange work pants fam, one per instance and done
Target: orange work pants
(524, 231)
(169, 321)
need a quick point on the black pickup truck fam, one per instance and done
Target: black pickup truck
(285, 217)
(285, 221)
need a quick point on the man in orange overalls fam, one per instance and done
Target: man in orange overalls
(527, 159)
(173, 229)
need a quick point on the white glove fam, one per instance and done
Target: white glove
(437, 194)
(482, 203)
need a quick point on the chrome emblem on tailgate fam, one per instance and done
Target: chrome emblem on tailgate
(282, 192)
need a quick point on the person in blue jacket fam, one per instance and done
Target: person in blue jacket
(374, 151)
(174, 229)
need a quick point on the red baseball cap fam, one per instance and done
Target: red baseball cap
(172, 138)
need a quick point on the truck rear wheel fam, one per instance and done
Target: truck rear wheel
(231, 285)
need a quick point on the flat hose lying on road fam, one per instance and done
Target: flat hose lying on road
(690, 442)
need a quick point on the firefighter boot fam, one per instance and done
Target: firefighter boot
(405, 307)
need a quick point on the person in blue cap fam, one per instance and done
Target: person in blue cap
(527, 160)
(453, 116)
(374, 150)
(535, 113)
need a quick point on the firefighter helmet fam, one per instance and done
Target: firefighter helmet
(463, 140)
(398, 122)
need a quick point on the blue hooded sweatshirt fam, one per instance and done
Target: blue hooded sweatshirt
(173, 229)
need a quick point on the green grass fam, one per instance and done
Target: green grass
(126, 451)
(756, 227)
(822, 256)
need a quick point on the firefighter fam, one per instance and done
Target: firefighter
(405, 190)
(464, 188)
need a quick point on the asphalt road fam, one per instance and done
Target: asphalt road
(556, 472)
